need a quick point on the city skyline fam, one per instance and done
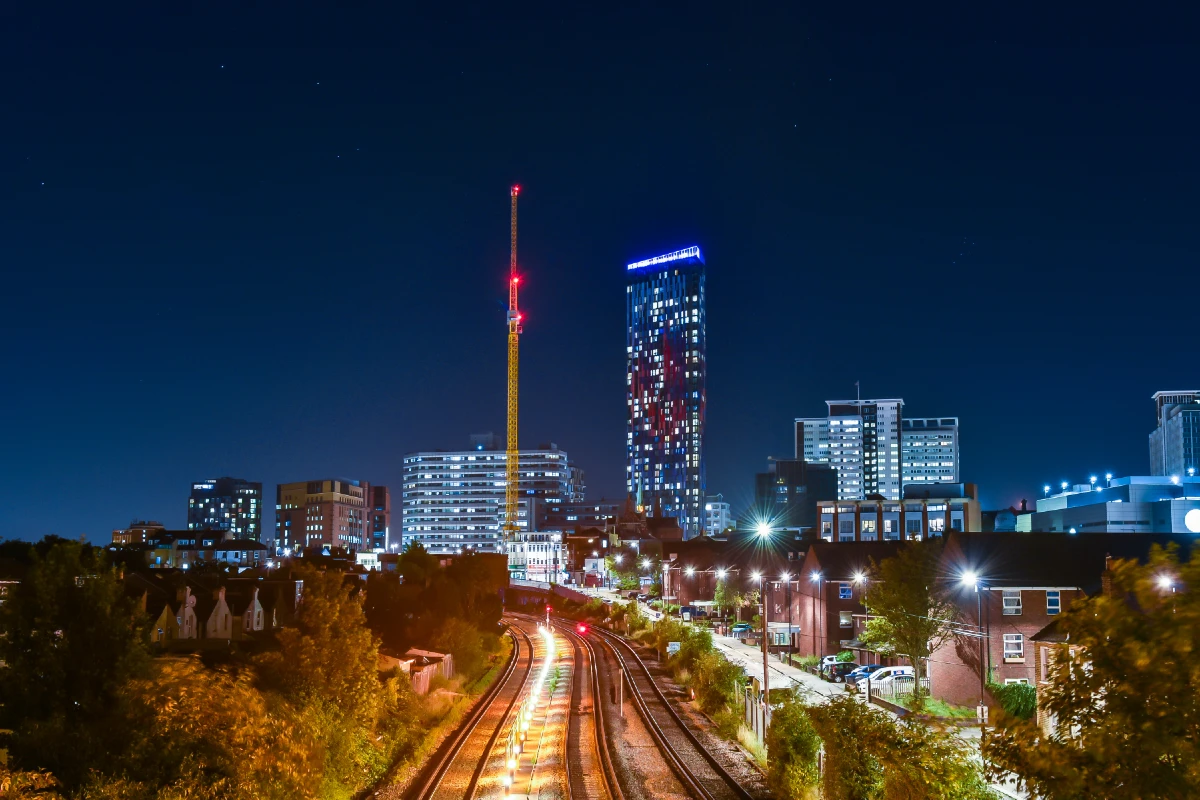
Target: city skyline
(234, 260)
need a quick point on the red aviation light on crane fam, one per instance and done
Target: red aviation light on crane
(516, 189)
(516, 279)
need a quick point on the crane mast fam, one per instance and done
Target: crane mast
(517, 557)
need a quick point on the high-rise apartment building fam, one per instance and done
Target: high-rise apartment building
(227, 504)
(454, 500)
(315, 516)
(1175, 443)
(929, 450)
(786, 495)
(665, 386)
(860, 439)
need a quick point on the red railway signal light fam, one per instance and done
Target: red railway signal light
(582, 628)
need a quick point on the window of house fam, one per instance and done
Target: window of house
(1012, 602)
(868, 526)
(887, 525)
(1011, 681)
(780, 638)
(1014, 646)
(846, 619)
(845, 591)
(827, 527)
(1053, 601)
(937, 524)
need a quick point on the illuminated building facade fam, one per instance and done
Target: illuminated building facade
(227, 504)
(453, 501)
(860, 439)
(327, 515)
(929, 451)
(1175, 443)
(665, 386)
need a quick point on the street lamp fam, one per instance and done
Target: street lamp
(1064, 486)
(757, 576)
(971, 578)
(787, 598)
(1166, 583)
(815, 577)
(1092, 480)
(1108, 478)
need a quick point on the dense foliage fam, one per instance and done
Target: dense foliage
(868, 755)
(93, 717)
(1016, 699)
(1123, 693)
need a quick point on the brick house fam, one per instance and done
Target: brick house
(827, 597)
(1024, 582)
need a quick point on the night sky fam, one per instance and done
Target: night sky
(275, 246)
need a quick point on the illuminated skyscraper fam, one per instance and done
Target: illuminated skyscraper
(664, 386)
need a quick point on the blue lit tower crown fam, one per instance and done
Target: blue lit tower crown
(664, 386)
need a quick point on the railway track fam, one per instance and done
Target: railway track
(590, 771)
(701, 774)
(455, 769)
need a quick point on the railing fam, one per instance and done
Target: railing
(894, 689)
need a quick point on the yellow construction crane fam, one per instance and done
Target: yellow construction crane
(517, 557)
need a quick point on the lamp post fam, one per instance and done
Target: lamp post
(970, 578)
(766, 647)
(764, 533)
(787, 598)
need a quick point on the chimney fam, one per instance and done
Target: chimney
(1024, 505)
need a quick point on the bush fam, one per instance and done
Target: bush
(717, 682)
(806, 661)
(793, 743)
(1017, 699)
(465, 642)
(844, 656)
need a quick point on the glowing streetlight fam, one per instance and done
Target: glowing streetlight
(969, 578)
(1092, 480)
(815, 576)
(1191, 472)
(763, 530)
(617, 559)
(859, 577)
(720, 574)
(756, 576)
(645, 563)
(1165, 582)
(786, 577)
(1064, 485)
(691, 571)
(1046, 489)
(1175, 479)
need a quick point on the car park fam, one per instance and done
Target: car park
(861, 673)
(882, 674)
(838, 672)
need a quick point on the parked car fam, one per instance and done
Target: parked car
(882, 674)
(643, 598)
(741, 627)
(861, 673)
(838, 672)
(895, 684)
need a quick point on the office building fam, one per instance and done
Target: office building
(860, 439)
(381, 519)
(1136, 504)
(325, 516)
(567, 515)
(786, 495)
(718, 515)
(925, 510)
(1175, 442)
(929, 450)
(227, 504)
(453, 501)
(665, 386)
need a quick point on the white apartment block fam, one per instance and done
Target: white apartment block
(929, 451)
(453, 501)
(718, 515)
(860, 439)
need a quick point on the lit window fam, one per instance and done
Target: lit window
(1053, 601)
(1012, 602)
(1014, 646)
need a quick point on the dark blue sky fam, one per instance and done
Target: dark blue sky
(275, 246)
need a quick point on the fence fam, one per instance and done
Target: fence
(897, 687)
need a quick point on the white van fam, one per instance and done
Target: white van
(881, 674)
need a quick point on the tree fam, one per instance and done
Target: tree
(909, 610)
(870, 755)
(70, 639)
(464, 641)
(793, 745)
(209, 733)
(327, 667)
(724, 597)
(1123, 693)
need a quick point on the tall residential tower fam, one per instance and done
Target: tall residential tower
(227, 504)
(664, 386)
